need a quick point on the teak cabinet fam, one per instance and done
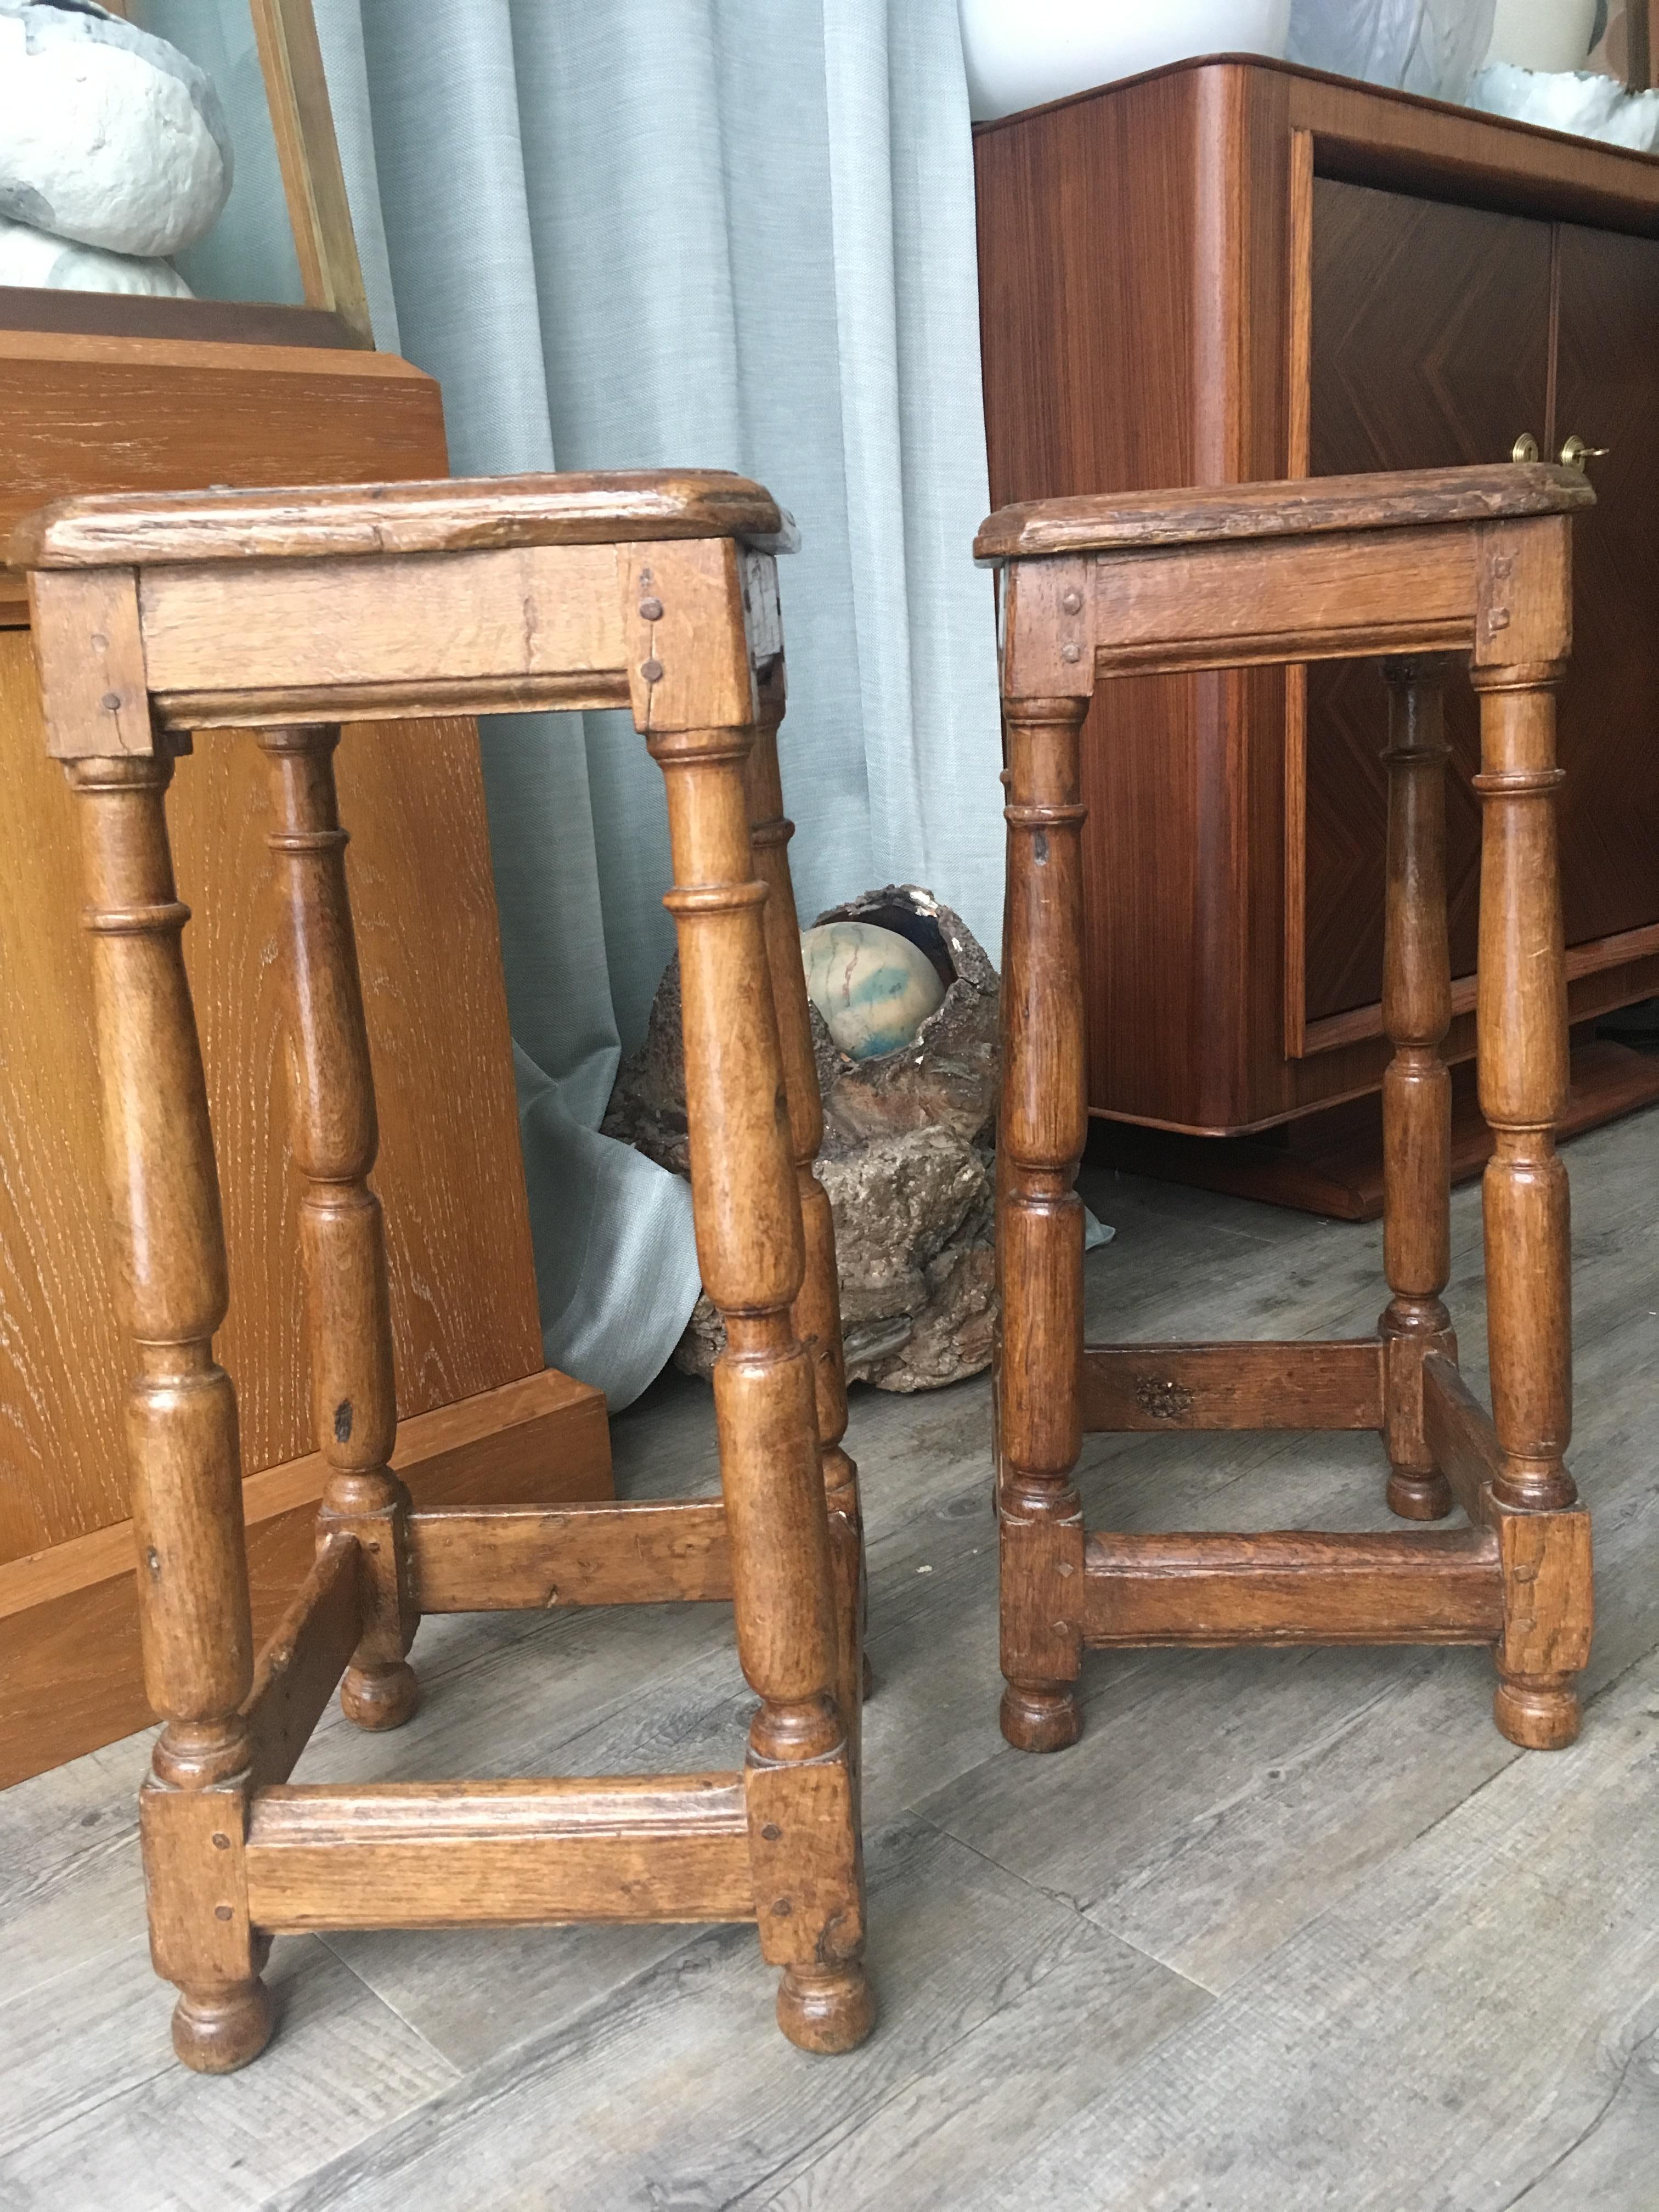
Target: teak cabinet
(1232, 269)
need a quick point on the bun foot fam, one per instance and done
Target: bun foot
(1041, 1720)
(1540, 1712)
(826, 2010)
(216, 2031)
(1418, 1497)
(384, 1700)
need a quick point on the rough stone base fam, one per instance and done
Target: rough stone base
(907, 1161)
(912, 1242)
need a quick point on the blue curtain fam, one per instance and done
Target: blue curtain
(735, 233)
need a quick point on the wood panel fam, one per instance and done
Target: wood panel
(94, 414)
(1301, 1384)
(500, 1854)
(1607, 393)
(1431, 349)
(450, 1172)
(1139, 328)
(1291, 1586)
(70, 1673)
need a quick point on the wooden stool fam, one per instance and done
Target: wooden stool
(1472, 560)
(293, 610)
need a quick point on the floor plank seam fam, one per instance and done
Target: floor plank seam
(76, 1966)
(164, 2066)
(492, 2080)
(1584, 2133)
(1065, 1898)
(384, 2003)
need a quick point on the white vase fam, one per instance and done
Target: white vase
(1020, 52)
(1542, 34)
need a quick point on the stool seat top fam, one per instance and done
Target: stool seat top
(450, 515)
(1122, 522)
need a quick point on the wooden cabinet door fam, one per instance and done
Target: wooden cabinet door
(1430, 349)
(1607, 393)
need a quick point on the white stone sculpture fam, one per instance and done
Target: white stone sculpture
(35, 257)
(108, 136)
(1428, 46)
(873, 987)
(1570, 99)
(1020, 52)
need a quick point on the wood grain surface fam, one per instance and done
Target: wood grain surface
(463, 1288)
(1294, 506)
(110, 414)
(69, 1677)
(1230, 1934)
(1497, 587)
(1310, 263)
(446, 515)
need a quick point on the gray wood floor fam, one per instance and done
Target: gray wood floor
(1284, 1930)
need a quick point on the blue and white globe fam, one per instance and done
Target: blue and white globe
(873, 987)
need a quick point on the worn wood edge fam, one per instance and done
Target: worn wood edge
(512, 1557)
(1338, 1385)
(429, 699)
(1381, 635)
(1461, 1440)
(299, 1668)
(1287, 1586)
(1293, 506)
(500, 1854)
(442, 515)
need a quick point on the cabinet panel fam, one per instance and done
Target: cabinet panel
(1607, 392)
(1431, 349)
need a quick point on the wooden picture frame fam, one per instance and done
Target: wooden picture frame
(318, 212)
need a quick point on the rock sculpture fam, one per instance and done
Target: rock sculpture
(906, 1159)
(111, 139)
(873, 987)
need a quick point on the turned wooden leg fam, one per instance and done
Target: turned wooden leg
(1042, 1130)
(800, 1780)
(182, 1447)
(1417, 1085)
(1521, 1031)
(817, 1314)
(341, 1236)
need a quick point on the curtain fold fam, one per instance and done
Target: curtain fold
(733, 233)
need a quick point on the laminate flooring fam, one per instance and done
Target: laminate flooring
(1286, 1930)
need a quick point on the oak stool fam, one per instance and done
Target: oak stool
(293, 611)
(1416, 567)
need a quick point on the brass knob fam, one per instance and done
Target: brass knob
(1576, 453)
(1525, 447)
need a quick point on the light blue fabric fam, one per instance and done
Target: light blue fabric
(734, 233)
